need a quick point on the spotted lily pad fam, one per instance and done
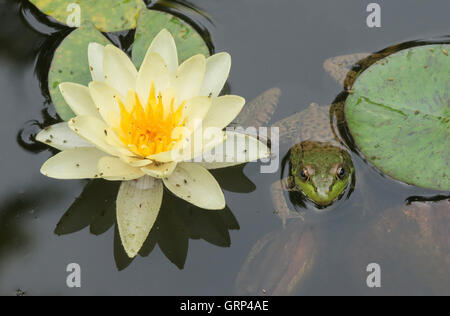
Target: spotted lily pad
(150, 23)
(399, 115)
(107, 16)
(70, 64)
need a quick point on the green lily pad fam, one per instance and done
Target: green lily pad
(150, 23)
(399, 116)
(70, 64)
(107, 16)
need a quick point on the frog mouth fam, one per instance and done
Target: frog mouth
(322, 206)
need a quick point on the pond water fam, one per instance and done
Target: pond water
(279, 43)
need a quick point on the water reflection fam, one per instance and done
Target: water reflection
(92, 208)
(177, 221)
(18, 51)
(12, 235)
(14, 238)
(37, 20)
(176, 224)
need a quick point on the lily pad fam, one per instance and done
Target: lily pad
(107, 16)
(151, 22)
(399, 116)
(70, 64)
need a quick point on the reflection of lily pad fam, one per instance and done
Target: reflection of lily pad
(70, 64)
(399, 115)
(188, 40)
(108, 16)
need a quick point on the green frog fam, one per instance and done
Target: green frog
(321, 171)
(321, 168)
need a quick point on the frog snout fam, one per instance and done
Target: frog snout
(323, 191)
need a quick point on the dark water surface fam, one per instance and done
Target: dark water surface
(273, 43)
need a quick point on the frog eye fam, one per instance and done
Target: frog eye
(304, 175)
(341, 173)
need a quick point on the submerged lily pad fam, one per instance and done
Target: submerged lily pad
(107, 16)
(70, 64)
(150, 23)
(399, 115)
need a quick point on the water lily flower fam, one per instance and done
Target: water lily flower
(139, 127)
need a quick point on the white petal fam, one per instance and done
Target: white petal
(138, 204)
(153, 70)
(169, 96)
(192, 146)
(196, 185)
(113, 140)
(188, 78)
(167, 156)
(237, 149)
(164, 45)
(195, 110)
(160, 170)
(78, 98)
(217, 70)
(104, 97)
(61, 137)
(95, 57)
(93, 130)
(112, 168)
(198, 144)
(78, 163)
(119, 70)
(135, 162)
(223, 111)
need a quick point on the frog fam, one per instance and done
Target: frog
(321, 171)
(321, 168)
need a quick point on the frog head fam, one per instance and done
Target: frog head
(321, 171)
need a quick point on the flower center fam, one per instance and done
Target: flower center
(148, 130)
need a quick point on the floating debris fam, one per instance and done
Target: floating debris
(20, 292)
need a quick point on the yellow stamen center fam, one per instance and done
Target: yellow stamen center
(148, 130)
